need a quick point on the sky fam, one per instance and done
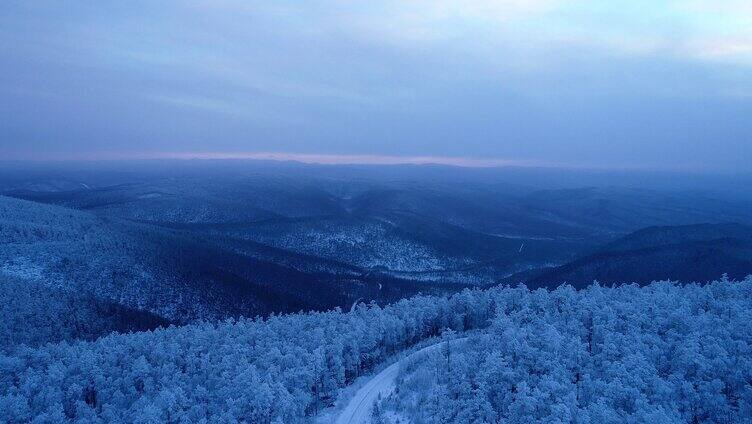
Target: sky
(653, 84)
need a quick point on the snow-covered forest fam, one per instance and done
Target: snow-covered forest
(660, 353)
(376, 212)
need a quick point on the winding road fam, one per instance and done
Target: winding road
(358, 410)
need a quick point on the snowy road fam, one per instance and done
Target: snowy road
(358, 410)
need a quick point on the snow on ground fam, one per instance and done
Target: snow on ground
(355, 403)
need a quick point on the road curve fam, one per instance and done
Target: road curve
(358, 410)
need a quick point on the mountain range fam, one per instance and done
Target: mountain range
(136, 250)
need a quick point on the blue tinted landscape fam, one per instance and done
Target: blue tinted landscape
(386, 212)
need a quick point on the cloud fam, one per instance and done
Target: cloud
(206, 104)
(727, 49)
(589, 80)
(740, 9)
(440, 20)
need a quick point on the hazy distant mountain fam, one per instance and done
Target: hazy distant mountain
(616, 211)
(213, 243)
(691, 253)
(390, 226)
(463, 231)
(196, 200)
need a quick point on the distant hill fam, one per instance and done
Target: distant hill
(444, 234)
(688, 253)
(616, 211)
(464, 232)
(179, 247)
(155, 275)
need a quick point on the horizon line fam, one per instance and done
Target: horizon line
(306, 158)
(342, 159)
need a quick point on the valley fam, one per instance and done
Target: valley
(191, 243)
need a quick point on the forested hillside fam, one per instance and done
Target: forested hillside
(108, 268)
(682, 253)
(137, 266)
(661, 353)
(658, 354)
(35, 314)
(432, 224)
(282, 370)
